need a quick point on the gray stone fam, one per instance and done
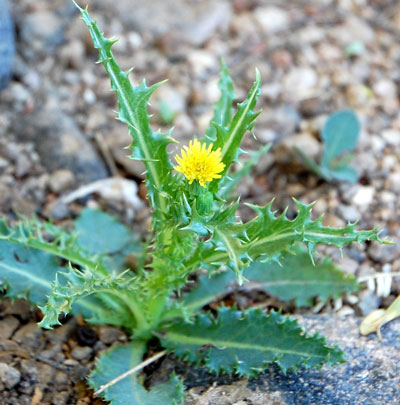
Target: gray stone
(192, 23)
(60, 398)
(61, 145)
(371, 374)
(61, 378)
(46, 374)
(29, 370)
(8, 326)
(81, 353)
(56, 210)
(349, 213)
(283, 120)
(42, 30)
(368, 302)
(29, 336)
(385, 253)
(109, 335)
(9, 376)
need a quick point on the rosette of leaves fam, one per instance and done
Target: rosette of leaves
(195, 226)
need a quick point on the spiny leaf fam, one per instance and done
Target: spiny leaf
(245, 342)
(147, 146)
(120, 359)
(267, 236)
(26, 272)
(230, 137)
(74, 285)
(227, 240)
(272, 233)
(298, 278)
(50, 239)
(223, 110)
(29, 273)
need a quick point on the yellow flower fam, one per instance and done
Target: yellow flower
(199, 162)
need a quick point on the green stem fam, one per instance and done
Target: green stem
(142, 324)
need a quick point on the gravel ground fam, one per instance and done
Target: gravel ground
(58, 132)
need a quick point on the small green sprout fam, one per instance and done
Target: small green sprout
(340, 135)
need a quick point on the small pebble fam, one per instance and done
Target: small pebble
(109, 335)
(71, 362)
(29, 336)
(61, 180)
(9, 376)
(81, 353)
(8, 326)
(364, 196)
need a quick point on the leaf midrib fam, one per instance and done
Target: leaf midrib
(26, 274)
(232, 135)
(274, 238)
(199, 341)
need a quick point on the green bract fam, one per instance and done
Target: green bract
(193, 228)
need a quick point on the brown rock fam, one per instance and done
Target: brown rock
(8, 326)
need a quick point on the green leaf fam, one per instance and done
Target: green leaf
(230, 137)
(120, 359)
(29, 265)
(50, 239)
(147, 146)
(245, 342)
(298, 278)
(101, 234)
(208, 290)
(340, 134)
(345, 173)
(267, 236)
(74, 285)
(223, 110)
(26, 272)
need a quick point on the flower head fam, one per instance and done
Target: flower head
(199, 162)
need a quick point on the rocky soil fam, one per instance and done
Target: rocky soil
(58, 133)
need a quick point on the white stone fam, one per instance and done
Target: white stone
(272, 19)
(202, 61)
(300, 81)
(391, 136)
(363, 196)
(385, 88)
(393, 182)
(311, 34)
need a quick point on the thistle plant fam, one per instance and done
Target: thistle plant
(195, 226)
